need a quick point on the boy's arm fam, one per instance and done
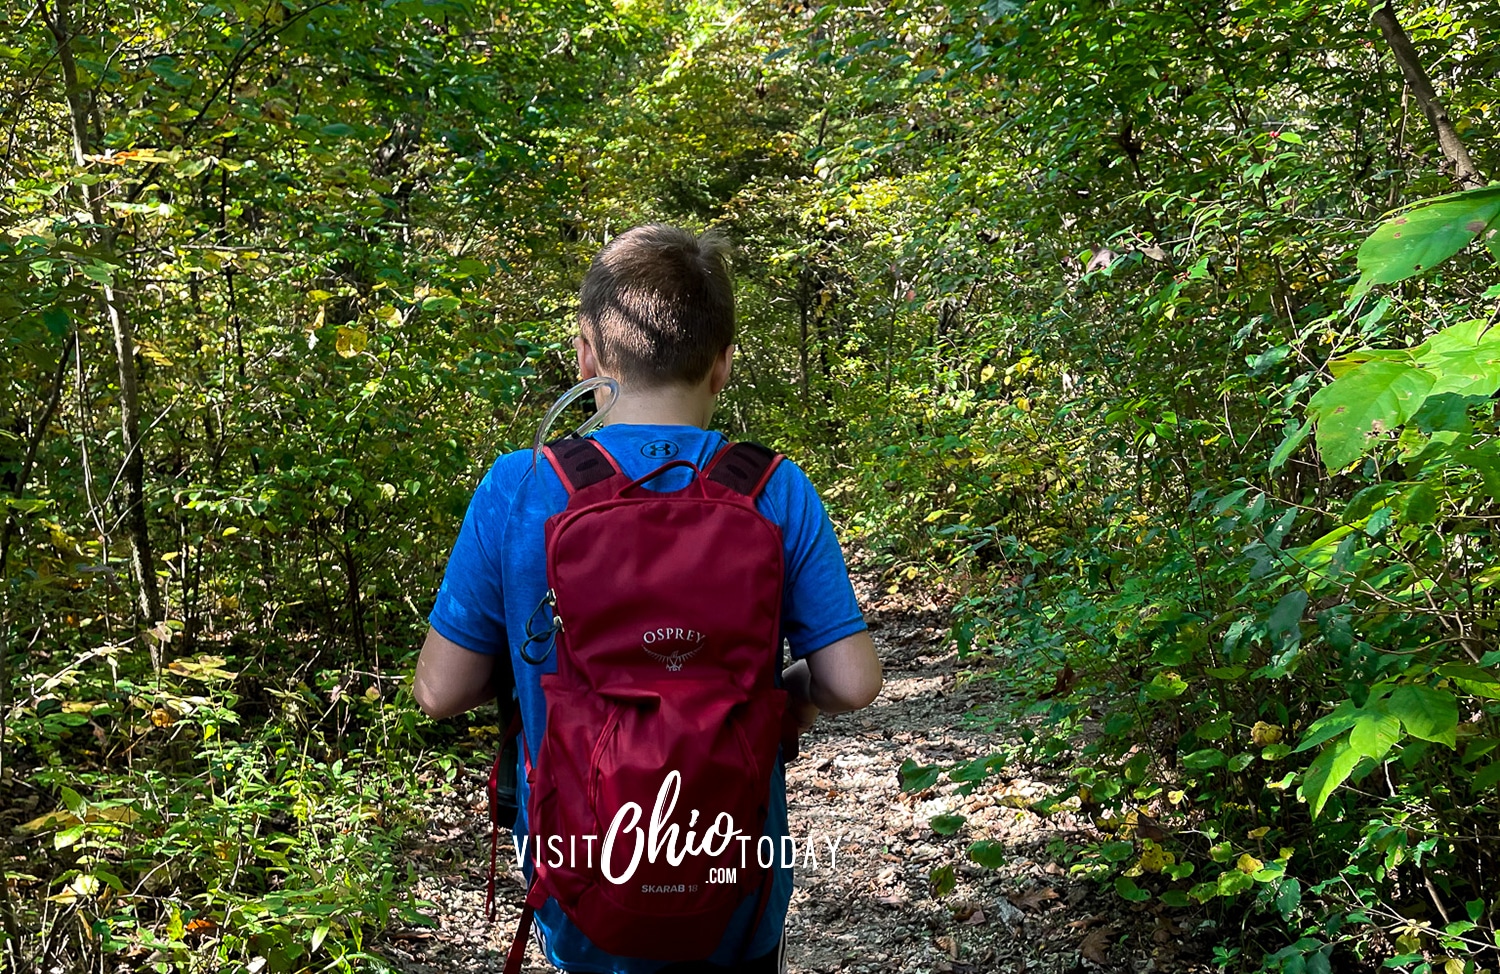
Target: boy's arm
(451, 679)
(840, 677)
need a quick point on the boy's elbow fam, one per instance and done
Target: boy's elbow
(865, 690)
(847, 675)
(426, 702)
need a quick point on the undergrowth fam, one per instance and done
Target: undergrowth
(214, 816)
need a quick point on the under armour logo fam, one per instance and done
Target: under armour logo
(659, 450)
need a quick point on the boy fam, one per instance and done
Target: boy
(657, 315)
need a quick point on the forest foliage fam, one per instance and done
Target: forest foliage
(1159, 331)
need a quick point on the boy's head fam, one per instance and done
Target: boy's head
(657, 305)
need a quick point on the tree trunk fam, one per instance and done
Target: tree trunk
(1465, 173)
(133, 471)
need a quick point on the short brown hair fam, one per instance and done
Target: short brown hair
(657, 304)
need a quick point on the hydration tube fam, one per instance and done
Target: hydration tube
(567, 399)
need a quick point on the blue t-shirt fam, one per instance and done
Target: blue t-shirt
(496, 578)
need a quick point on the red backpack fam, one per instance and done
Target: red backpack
(649, 793)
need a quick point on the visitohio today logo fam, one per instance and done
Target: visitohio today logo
(620, 850)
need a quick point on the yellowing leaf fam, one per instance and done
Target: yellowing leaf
(1154, 859)
(1264, 734)
(51, 820)
(351, 341)
(1259, 833)
(372, 694)
(1248, 864)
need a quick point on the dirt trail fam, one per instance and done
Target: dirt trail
(876, 911)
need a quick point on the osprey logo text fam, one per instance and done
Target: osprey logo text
(659, 450)
(672, 646)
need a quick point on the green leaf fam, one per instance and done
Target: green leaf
(1128, 890)
(1472, 679)
(1175, 898)
(1286, 618)
(1486, 779)
(988, 853)
(918, 777)
(1233, 882)
(57, 321)
(1117, 851)
(1425, 236)
(1468, 371)
(1295, 436)
(1427, 713)
(1367, 401)
(1165, 686)
(1214, 730)
(71, 800)
(1329, 770)
(98, 273)
(1240, 762)
(1374, 734)
(1288, 897)
(166, 69)
(440, 303)
(1420, 505)
(1202, 760)
(947, 824)
(943, 881)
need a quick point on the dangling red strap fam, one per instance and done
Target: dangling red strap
(517, 952)
(489, 893)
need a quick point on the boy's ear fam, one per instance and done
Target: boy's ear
(718, 376)
(588, 363)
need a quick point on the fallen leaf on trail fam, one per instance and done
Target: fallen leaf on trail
(896, 900)
(1086, 922)
(949, 945)
(964, 909)
(975, 919)
(1095, 947)
(1032, 899)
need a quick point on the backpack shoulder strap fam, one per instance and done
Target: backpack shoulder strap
(580, 463)
(744, 468)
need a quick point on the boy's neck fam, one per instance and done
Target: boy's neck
(674, 405)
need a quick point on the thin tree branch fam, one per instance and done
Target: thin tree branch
(1465, 173)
